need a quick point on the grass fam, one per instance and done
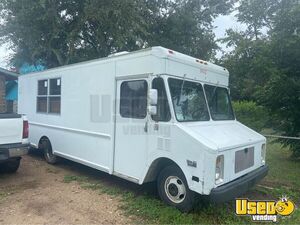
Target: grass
(71, 178)
(283, 179)
(283, 169)
(4, 193)
(51, 170)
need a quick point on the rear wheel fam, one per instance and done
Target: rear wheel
(11, 166)
(173, 189)
(48, 154)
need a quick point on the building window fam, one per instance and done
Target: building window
(133, 101)
(49, 96)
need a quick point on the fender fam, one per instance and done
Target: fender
(188, 171)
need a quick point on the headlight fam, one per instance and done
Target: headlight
(263, 153)
(219, 169)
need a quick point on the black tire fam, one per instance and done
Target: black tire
(48, 154)
(11, 166)
(176, 194)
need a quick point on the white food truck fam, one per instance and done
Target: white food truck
(151, 115)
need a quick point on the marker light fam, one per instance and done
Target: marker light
(219, 169)
(263, 153)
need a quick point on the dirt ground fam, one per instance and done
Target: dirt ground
(37, 194)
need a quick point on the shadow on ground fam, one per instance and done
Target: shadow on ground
(71, 168)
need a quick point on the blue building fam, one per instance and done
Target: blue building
(9, 86)
(11, 95)
(8, 91)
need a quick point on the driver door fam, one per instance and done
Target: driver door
(131, 128)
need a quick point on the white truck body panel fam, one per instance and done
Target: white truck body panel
(11, 130)
(13, 141)
(90, 130)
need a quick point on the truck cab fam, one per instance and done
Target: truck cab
(192, 140)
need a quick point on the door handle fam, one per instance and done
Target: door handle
(146, 127)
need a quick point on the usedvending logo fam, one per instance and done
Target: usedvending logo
(264, 210)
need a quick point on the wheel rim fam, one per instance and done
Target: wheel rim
(48, 152)
(175, 189)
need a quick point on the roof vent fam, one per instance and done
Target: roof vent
(118, 54)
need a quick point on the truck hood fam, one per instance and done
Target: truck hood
(224, 135)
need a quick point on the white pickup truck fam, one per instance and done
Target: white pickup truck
(13, 141)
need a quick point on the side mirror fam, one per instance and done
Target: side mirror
(153, 97)
(152, 110)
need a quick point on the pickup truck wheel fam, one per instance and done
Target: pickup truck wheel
(48, 154)
(11, 166)
(173, 189)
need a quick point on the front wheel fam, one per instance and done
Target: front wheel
(48, 154)
(173, 189)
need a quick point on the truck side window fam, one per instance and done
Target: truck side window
(42, 100)
(133, 99)
(163, 109)
(55, 96)
(49, 96)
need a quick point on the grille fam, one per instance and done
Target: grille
(244, 159)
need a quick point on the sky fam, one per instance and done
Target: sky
(4, 56)
(221, 24)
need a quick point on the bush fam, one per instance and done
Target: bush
(251, 114)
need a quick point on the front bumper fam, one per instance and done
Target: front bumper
(238, 187)
(13, 151)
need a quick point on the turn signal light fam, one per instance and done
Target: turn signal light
(25, 129)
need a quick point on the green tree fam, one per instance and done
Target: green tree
(282, 92)
(249, 64)
(257, 15)
(265, 68)
(186, 25)
(63, 32)
(251, 114)
(67, 31)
